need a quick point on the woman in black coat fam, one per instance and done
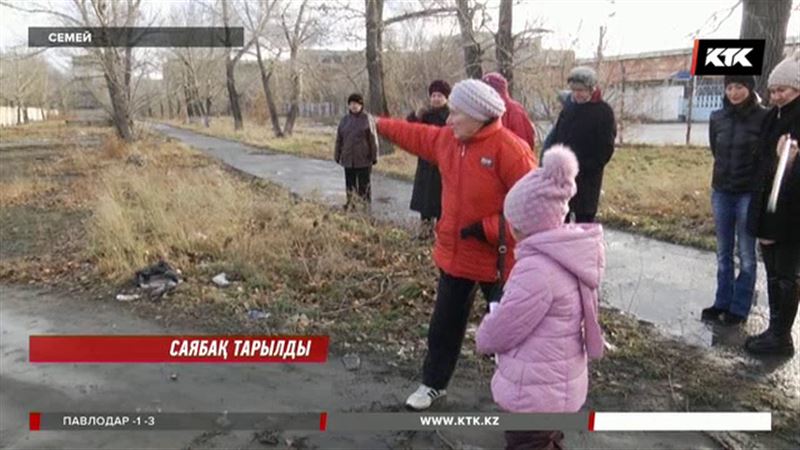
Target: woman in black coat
(733, 138)
(778, 230)
(426, 196)
(587, 127)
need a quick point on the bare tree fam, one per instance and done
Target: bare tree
(230, 65)
(504, 43)
(375, 25)
(601, 45)
(22, 75)
(297, 34)
(257, 19)
(692, 88)
(374, 52)
(116, 62)
(195, 72)
(473, 54)
(766, 20)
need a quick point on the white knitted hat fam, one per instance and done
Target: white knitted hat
(477, 100)
(787, 72)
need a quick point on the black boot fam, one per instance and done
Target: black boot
(711, 314)
(777, 340)
(770, 343)
(773, 292)
(732, 319)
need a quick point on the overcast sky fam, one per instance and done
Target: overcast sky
(633, 25)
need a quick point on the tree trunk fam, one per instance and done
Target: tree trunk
(598, 60)
(294, 107)
(187, 95)
(472, 50)
(692, 85)
(377, 93)
(374, 50)
(766, 20)
(504, 43)
(622, 119)
(266, 77)
(233, 96)
(115, 73)
(120, 111)
(44, 95)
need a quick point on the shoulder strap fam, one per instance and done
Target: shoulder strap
(502, 249)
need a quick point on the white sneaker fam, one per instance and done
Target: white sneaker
(424, 397)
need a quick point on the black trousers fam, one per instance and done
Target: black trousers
(782, 261)
(454, 298)
(534, 440)
(580, 218)
(357, 182)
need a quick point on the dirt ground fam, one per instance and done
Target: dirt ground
(46, 201)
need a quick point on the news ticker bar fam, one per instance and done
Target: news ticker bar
(581, 421)
(145, 349)
(135, 37)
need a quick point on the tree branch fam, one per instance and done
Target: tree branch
(419, 14)
(37, 10)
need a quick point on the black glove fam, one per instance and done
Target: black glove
(475, 230)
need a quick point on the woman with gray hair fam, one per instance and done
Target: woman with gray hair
(479, 160)
(588, 128)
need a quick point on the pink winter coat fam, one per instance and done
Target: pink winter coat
(546, 322)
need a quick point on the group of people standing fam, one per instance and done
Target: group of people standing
(526, 237)
(501, 227)
(747, 141)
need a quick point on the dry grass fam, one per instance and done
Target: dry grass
(295, 257)
(663, 192)
(21, 190)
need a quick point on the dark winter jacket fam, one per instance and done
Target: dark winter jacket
(784, 224)
(733, 135)
(426, 197)
(589, 130)
(356, 141)
(548, 141)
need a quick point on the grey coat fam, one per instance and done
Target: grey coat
(356, 141)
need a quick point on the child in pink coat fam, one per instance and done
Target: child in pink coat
(545, 326)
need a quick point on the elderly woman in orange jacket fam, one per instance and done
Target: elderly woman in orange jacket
(479, 160)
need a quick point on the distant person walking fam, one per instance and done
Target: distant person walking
(778, 230)
(516, 117)
(426, 196)
(587, 127)
(479, 160)
(733, 135)
(357, 151)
